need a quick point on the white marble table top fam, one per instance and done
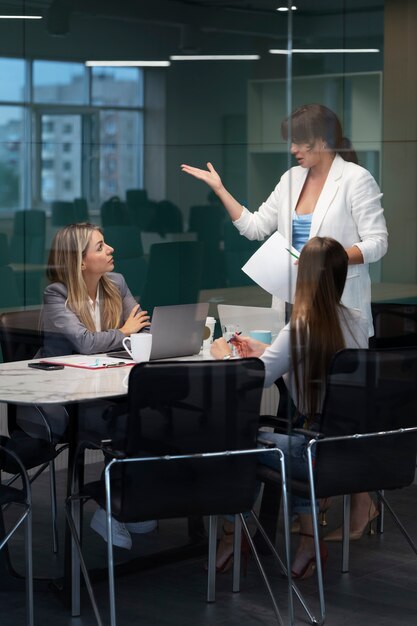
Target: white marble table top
(20, 384)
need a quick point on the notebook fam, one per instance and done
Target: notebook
(177, 330)
(249, 318)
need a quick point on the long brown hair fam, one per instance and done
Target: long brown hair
(316, 333)
(64, 266)
(312, 122)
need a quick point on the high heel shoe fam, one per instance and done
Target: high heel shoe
(311, 565)
(324, 505)
(354, 535)
(226, 564)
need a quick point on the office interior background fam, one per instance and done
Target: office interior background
(80, 139)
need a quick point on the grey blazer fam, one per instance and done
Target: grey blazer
(64, 333)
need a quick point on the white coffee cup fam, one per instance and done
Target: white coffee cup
(139, 346)
(208, 333)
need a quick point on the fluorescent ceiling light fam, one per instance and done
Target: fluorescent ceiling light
(127, 63)
(21, 17)
(324, 50)
(293, 8)
(215, 57)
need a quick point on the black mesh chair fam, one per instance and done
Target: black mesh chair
(187, 448)
(20, 339)
(22, 498)
(368, 435)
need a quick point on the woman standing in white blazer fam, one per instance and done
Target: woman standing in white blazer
(328, 194)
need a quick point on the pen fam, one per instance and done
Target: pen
(292, 254)
(119, 364)
(231, 338)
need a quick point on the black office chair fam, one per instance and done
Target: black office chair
(368, 435)
(174, 274)
(21, 497)
(20, 339)
(187, 448)
(113, 212)
(129, 259)
(62, 213)
(395, 325)
(237, 251)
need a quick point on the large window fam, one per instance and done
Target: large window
(79, 132)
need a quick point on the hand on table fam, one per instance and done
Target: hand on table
(247, 347)
(137, 321)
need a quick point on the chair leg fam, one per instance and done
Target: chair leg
(29, 568)
(381, 517)
(237, 552)
(54, 513)
(110, 564)
(211, 576)
(77, 560)
(345, 535)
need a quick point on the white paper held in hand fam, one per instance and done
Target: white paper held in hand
(139, 346)
(273, 267)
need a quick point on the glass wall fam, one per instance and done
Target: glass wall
(116, 136)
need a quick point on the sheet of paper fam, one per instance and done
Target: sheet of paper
(92, 362)
(272, 267)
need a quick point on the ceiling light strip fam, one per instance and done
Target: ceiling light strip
(127, 63)
(324, 50)
(215, 57)
(21, 17)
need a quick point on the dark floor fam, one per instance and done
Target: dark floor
(380, 590)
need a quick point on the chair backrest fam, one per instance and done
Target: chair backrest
(174, 274)
(113, 212)
(20, 334)
(191, 407)
(141, 210)
(395, 325)
(369, 391)
(80, 210)
(168, 218)
(62, 213)
(27, 244)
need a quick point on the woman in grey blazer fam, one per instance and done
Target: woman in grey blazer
(328, 195)
(87, 309)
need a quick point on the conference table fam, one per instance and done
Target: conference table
(74, 387)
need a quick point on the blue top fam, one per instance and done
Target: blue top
(301, 225)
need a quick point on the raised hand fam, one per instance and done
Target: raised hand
(209, 176)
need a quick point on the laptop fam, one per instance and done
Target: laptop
(177, 330)
(249, 318)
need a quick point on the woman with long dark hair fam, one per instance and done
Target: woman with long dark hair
(320, 326)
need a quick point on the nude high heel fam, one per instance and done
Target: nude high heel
(354, 535)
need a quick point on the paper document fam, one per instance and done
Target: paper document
(87, 362)
(272, 267)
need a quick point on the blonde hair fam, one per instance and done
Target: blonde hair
(64, 266)
(316, 333)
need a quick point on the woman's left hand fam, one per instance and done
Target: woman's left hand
(220, 348)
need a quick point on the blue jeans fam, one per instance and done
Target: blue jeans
(294, 448)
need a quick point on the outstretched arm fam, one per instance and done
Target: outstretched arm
(213, 180)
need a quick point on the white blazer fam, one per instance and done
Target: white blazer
(348, 209)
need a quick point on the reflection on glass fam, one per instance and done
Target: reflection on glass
(60, 157)
(117, 86)
(121, 146)
(11, 157)
(57, 82)
(12, 76)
